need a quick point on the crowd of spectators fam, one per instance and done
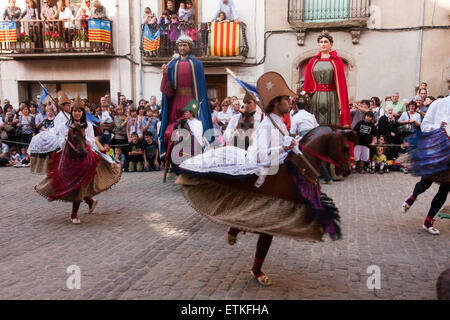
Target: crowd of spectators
(176, 22)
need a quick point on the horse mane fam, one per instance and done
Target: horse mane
(76, 142)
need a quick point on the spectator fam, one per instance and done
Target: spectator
(149, 17)
(428, 101)
(375, 107)
(379, 161)
(204, 34)
(48, 11)
(108, 151)
(150, 153)
(4, 154)
(24, 159)
(109, 102)
(224, 116)
(236, 107)
(98, 11)
(12, 13)
(423, 85)
(366, 137)
(227, 7)
(174, 32)
(25, 123)
(135, 153)
(150, 122)
(164, 24)
(72, 8)
(141, 117)
(214, 114)
(124, 102)
(183, 27)
(8, 122)
(106, 124)
(85, 9)
(387, 126)
(171, 10)
(182, 11)
(190, 15)
(153, 104)
(410, 120)
(399, 107)
(303, 121)
(132, 125)
(358, 114)
(142, 103)
(48, 122)
(14, 157)
(65, 15)
(119, 156)
(30, 13)
(421, 108)
(222, 17)
(423, 93)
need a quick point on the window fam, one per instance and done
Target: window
(327, 11)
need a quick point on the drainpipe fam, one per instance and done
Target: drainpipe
(420, 44)
(141, 80)
(117, 50)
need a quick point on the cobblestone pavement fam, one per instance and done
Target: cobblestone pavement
(145, 242)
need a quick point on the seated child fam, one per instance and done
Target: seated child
(379, 161)
(135, 154)
(14, 158)
(24, 157)
(108, 150)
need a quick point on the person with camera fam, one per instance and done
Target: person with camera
(409, 120)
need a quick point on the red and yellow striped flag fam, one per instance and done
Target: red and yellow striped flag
(8, 32)
(224, 39)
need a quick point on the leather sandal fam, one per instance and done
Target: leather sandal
(262, 279)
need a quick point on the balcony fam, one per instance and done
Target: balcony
(223, 53)
(318, 14)
(38, 39)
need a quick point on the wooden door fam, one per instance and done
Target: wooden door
(96, 90)
(217, 86)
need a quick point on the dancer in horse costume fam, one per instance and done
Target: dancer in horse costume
(429, 157)
(271, 189)
(77, 173)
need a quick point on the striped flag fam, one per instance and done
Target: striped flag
(99, 31)
(151, 41)
(8, 32)
(224, 39)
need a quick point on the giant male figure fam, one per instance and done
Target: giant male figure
(183, 80)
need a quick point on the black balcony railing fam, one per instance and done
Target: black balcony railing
(202, 45)
(36, 36)
(327, 10)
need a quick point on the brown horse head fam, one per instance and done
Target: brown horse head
(330, 144)
(76, 142)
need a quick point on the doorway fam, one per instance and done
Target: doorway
(217, 86)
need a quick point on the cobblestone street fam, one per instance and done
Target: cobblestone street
(146, 242)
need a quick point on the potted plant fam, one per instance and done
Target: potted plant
(83, 38)
(56, 40)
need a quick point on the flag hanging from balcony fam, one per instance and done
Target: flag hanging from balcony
(151, 41)
(8, 32)
(224, 39)
(99, 31)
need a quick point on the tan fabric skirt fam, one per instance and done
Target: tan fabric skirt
(249, 211)
(39, 164)
(106, 176)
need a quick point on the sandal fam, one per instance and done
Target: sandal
(262, 279)
(75, 220)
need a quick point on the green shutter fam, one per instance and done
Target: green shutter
(325, 10)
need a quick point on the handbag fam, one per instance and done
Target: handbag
(406, 128)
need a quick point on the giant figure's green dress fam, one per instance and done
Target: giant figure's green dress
(325, 104)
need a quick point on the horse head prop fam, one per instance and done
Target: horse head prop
(329, 144)
(76, 142)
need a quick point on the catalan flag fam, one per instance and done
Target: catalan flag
(224, 39)
(99, 31)
(151, 41)
(8, 32)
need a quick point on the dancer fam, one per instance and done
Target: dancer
(77, 173)
(430, 156)
(43, 144)
(272, 188)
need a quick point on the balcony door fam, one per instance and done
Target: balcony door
(325, 10)
(177, 6)
(217, 86)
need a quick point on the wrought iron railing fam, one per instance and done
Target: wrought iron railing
(54, 36)
(327, 10)
(202, 45)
